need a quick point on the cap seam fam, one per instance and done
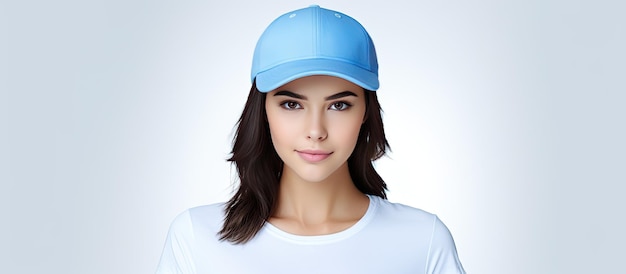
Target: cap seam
(316, 31)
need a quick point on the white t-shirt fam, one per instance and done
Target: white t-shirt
(389, 238)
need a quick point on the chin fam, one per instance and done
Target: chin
(313, 177)
(317, 174)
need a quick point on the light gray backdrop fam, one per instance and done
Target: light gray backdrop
(506, 118)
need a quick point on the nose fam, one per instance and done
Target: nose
(316, 128)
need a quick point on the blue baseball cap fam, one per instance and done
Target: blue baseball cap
(314, 41)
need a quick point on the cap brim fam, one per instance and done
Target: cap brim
(279, 75)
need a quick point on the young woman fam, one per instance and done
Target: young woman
(309, 198)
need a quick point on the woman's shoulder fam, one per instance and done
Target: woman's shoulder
(205, 216)
(210, 210)
(414, 225)
(181, 245)
(400, 215)
(399, 211)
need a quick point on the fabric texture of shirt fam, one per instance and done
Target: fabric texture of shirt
(389, 238)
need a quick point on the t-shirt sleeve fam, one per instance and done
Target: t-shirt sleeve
(177, 256)
(442, 255)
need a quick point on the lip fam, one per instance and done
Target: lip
(313, 156)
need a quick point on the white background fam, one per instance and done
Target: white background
(506, 118)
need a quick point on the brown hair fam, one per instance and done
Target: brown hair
(259, 166)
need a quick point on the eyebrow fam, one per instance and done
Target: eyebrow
(302, 97)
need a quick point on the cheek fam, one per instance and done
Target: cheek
(280, 131)
(347, 132)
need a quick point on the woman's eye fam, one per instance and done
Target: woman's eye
(340, 106)
(290, 105)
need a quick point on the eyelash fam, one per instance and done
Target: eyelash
(285, 104)
(344, 105)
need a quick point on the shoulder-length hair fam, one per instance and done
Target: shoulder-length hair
(259, 167)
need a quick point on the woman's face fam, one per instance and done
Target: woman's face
(314, 123)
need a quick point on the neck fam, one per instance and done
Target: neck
(313, 204)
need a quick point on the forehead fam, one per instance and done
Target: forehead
(321, 85)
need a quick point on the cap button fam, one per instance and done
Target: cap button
(314, 6)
